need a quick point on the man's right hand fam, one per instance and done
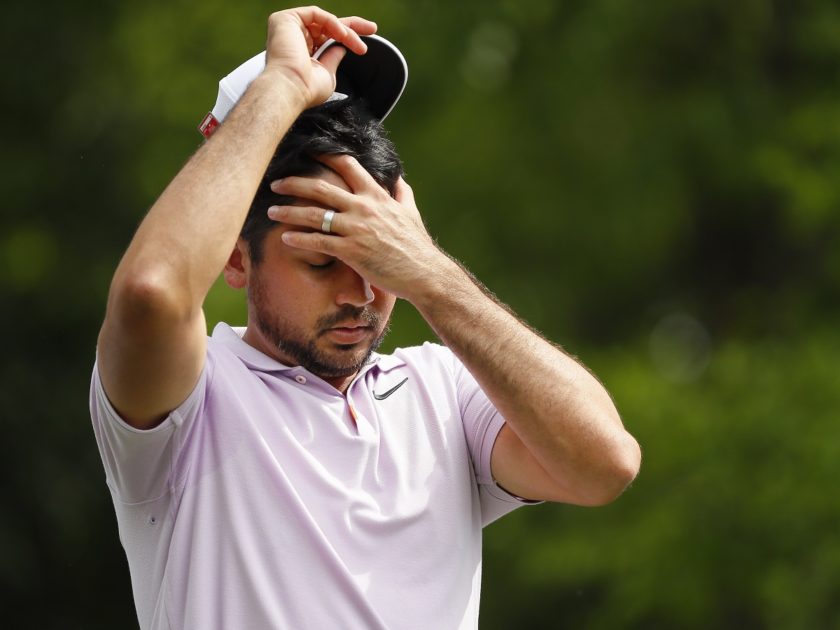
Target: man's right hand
(295, 34)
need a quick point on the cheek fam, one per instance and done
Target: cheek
(385, 304)
(278, 279)
(383, 298)
(289, 294)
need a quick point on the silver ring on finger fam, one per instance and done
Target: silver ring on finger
(326, 224)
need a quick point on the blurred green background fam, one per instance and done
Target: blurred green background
(651, 184)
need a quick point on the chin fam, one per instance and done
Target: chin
(342, 360)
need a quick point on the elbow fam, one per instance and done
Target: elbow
(621, 468)
(146, 299)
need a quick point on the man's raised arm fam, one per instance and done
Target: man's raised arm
(152, 343)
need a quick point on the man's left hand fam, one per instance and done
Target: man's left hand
(381, 237)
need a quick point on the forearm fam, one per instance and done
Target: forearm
(560, 412)
(569, 442)
(185, 239)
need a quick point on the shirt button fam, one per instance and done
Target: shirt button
(300, 378)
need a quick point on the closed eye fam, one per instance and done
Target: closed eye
(325, 265)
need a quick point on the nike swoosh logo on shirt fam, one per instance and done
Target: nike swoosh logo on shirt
(390, 391)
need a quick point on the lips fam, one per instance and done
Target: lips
(348, 333)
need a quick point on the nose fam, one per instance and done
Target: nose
(354, 289)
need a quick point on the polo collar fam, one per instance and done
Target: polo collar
(231, 338)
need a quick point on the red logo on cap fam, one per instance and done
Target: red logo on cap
(208, 125)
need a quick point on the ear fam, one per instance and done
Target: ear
(237, 266)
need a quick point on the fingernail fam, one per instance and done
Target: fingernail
(276, 184)
(273, 211)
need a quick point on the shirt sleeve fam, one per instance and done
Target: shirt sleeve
(142, 465)
(482, 423)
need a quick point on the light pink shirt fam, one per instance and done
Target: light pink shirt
(270, 500)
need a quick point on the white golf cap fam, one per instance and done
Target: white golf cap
(378, 78)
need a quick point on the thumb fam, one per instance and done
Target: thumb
(403, 192)
(332, 58)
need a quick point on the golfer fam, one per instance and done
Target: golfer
(285, 474)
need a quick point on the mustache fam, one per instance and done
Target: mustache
(349, 312)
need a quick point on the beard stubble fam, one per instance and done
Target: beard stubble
(301, 346)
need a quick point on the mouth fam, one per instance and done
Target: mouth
(348, 333)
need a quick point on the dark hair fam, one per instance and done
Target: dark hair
(336, 127)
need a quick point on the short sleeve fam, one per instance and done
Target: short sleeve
(482, 423)
(141, 465)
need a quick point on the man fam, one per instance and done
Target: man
(286, 475)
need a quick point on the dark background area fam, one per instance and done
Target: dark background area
(651, 184)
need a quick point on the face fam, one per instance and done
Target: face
(308, 309)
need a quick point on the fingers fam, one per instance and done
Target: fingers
(313, 241)
(308, 216)
(314, 189)
(350, 171)
(326, 25)
(359, 24)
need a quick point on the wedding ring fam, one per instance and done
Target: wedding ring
(326, 224)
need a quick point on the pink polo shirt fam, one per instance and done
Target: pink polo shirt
(270, 500)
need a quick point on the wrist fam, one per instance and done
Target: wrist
(289, 92)
(446, 282)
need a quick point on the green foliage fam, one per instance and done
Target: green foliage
(652, 184)
(729, 524)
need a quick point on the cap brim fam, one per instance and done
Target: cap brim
(378, 77)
